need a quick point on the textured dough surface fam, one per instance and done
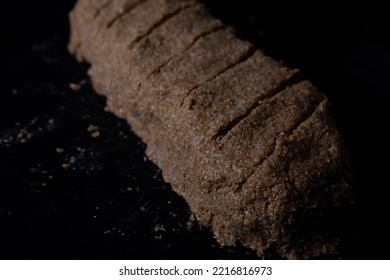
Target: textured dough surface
(249, 145)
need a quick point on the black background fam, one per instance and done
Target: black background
(107, 202)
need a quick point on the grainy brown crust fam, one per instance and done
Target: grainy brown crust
(250, 147)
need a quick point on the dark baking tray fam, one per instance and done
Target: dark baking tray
(74, 180)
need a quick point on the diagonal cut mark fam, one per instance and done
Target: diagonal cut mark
(160, 22)
(102, 8)
(245, 56)
(295, 78)
(204, 34)
(303, 119)
(306, 117)
(127, 10)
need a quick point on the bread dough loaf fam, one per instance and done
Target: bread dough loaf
(248, 144)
